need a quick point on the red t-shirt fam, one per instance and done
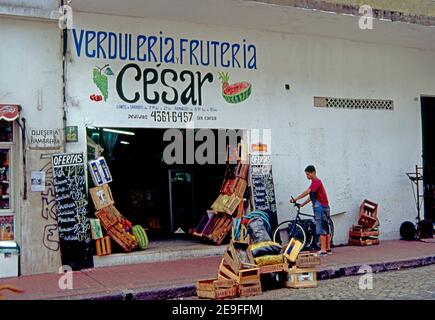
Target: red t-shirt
(319, 191)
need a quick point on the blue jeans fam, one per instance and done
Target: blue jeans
(321, 214)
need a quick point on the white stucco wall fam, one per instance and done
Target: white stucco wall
(30, 61)
(358, 153)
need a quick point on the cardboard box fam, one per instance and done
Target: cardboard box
(101, 196)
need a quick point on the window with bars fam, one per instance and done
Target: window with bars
(345, 103)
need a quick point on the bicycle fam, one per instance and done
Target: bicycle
(302, 230)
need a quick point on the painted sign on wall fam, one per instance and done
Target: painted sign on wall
(45, 138)
(159, 78)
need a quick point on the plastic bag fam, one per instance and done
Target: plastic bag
(257, 231)
(269, 259)
(265, 248)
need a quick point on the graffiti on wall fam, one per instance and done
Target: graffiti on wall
(48, 208)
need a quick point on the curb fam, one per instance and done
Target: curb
(323, 274)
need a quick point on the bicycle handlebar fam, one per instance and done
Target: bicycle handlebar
(295, 203)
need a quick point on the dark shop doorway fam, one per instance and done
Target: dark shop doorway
(167, 200)
(428, 133)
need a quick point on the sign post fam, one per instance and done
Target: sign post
(263, 192)
(72, 210)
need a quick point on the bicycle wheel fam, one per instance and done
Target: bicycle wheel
(282, 233)
(310, 232)
(331, 229)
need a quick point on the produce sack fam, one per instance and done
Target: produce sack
(257, 231)
(269, 259)
(265, 248)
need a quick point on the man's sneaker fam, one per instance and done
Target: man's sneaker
(321, 254)
(329, 252)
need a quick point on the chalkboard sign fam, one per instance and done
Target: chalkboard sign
(263, 192)
(72, 210)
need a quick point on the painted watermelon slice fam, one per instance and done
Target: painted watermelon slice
(236, 92)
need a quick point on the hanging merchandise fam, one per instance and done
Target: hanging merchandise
(110, 139)
(99, 171)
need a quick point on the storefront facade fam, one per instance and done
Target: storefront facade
(351, 107)
(31, 71)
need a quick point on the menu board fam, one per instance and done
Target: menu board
(262, 188)
(72, 210)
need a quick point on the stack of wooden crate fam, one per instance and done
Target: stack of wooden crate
(238, 264)
(303, 273)
(115, 224)
(239, 275)
(366, 233)
(216, 225)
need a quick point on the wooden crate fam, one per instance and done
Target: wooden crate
(249, 276)
(363, 232)
(280, 267)
(103, 246)
(219, 229)
(114, 224)
(201, 225)
(292, 251)
(240, 189)
(216, 289)
(232, 204)
(209, 227)
(242, 170)
(363, 241)
(244, 276)
(238, 256)
(220, 202)
(368, 214)
(229, 187)
(307, 260)
(212, 284)
(301, 278)
(252, 289)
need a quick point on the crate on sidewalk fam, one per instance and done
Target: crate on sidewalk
(244, 276)
(307, 260)
(216, 289)
(363, 236)
(103, 246)
(363, 241)
(363, 232)
(368, 214)
(274, 268)
(293, 249)
(301, 278)
(251, 289)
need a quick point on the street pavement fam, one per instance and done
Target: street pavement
(409, 284)
(172, 279)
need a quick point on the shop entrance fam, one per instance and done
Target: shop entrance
(166, 199)
(428, 127)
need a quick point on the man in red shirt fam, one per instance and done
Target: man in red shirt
(319, 199)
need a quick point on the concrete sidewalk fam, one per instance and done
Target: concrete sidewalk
(171, 279)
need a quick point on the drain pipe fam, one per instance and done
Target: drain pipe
(64, 41)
